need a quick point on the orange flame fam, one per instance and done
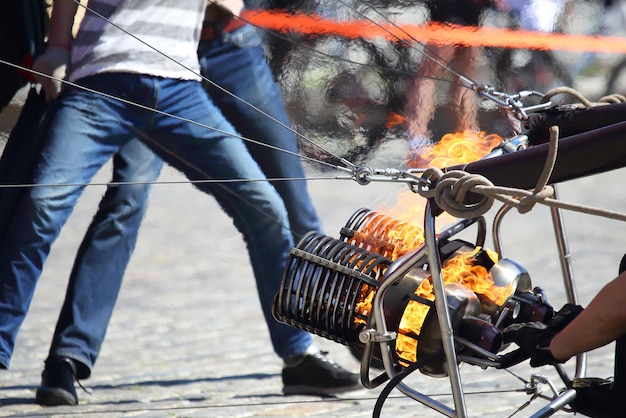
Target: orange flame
(435, 33)
(411, 323)
(397, 234)
(456, 148)
(394, 119)
(462, 269)
(364, 306)
(389, 237)
(391, 234)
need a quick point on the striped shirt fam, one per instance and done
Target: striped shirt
(153, 37)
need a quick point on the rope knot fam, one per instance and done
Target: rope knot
(453, 187)
(527, 203)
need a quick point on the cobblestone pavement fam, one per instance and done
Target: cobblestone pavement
(188, 340)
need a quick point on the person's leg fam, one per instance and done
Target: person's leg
(421, 98)
(67, 162)
(97, 275)
(257, 210)
(464, 101)
(236, 63)
(258, 213)
(103, 256)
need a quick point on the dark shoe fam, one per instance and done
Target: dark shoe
(57, 383)
(314, 374)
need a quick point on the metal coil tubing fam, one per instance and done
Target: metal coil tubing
(382, 234)
(322, 284)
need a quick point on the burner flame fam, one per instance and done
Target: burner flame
(453, 149)
(393, 238)
(462, 269)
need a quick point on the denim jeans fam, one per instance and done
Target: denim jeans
(236, 63)
(87, 130)
(103, 256)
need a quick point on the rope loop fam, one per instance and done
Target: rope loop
(432, 174)
(453, 187)
(583, 102)
(527, 203)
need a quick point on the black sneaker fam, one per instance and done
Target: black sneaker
(57, 383)
(315, 374)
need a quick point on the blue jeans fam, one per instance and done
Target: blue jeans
(103, 256)
(236, 62)
(87, 130)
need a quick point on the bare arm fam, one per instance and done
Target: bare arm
(54, 62)
(61, 21)
(601, 323)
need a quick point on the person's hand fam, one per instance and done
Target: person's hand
(54, 62)
(564, 316)
(535, 337)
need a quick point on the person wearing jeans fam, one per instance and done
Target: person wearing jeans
(235, 61)
(102, 257)
(87, 129)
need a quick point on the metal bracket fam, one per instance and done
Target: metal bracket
(371, 335)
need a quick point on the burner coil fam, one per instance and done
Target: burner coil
(322, 283)
(382, 234)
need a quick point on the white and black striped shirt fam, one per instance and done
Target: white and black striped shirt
(116, 38)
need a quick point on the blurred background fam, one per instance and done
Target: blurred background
(349, 94)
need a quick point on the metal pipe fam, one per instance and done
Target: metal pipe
(401, 268)
(443, 315)
(556, 405)
(497, 223)
(567, 270)
(563, 248)
(399, 271)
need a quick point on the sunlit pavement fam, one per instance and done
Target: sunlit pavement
(187, 338)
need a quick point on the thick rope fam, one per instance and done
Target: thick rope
(452, 187)
(584, 102)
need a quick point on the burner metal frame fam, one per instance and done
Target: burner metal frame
(320, 293)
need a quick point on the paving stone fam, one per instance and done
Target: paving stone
(188, 339)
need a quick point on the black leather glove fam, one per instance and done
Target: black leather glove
(563, 317)
(535, 337)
